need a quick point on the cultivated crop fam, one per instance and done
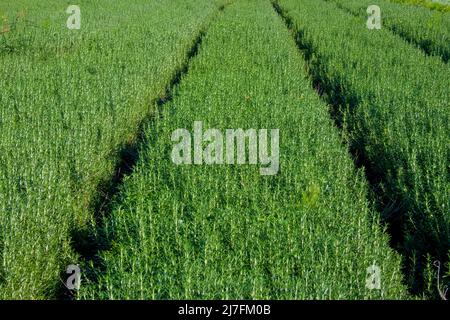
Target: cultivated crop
(427, 29)
(440, 5)
(394, 102)
(69, 101)
(193, 149)
(224, 231)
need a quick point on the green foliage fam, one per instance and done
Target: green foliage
(72, 102)
(226, 232)
(398, 121)
(439, 5)
(69, 100)
(427, 29)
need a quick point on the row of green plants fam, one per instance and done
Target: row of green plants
(440, 5)
(226, 231)
(69, 101)
(429, 30)
(393, 103)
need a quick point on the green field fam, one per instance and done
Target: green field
(439, 5)
(397, 126)
(360, 172)
(429, 30)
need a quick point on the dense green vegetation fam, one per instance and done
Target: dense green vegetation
(69, 101)
(440, 5)
(427, 29)
(191, 231)
(86, 171)
(394, 102)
